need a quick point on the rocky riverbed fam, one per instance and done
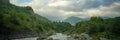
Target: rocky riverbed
(60, 36)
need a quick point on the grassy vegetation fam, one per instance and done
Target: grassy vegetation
(19, 18)
(98, 27)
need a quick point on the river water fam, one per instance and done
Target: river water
(58, 36)
(33, 38)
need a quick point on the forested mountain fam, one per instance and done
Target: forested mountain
(18, 22)
(97, 27)
(15, 20)
(73, 20)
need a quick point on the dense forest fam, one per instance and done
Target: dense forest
(97, 27)
(15, 19)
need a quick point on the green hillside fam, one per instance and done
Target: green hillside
(73, 20)
(17, 22)
(14, 19)
(97, 27)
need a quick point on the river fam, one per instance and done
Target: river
(58, 36)
(32, 38)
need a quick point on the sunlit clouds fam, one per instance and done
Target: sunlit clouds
(61, 9)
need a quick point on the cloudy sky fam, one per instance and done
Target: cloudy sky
(61, 9)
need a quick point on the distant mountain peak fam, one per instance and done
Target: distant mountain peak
(73, 20)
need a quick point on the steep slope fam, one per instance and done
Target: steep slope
(20, 22)
(16, 20)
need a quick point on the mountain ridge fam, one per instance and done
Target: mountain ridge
(23, 22)
(73, 20)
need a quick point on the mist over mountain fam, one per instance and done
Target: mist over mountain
(61, 9)
(73, 20)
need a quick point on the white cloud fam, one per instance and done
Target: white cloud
(61, 9)
(14, 1)
(112, 10)
(59, 3)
